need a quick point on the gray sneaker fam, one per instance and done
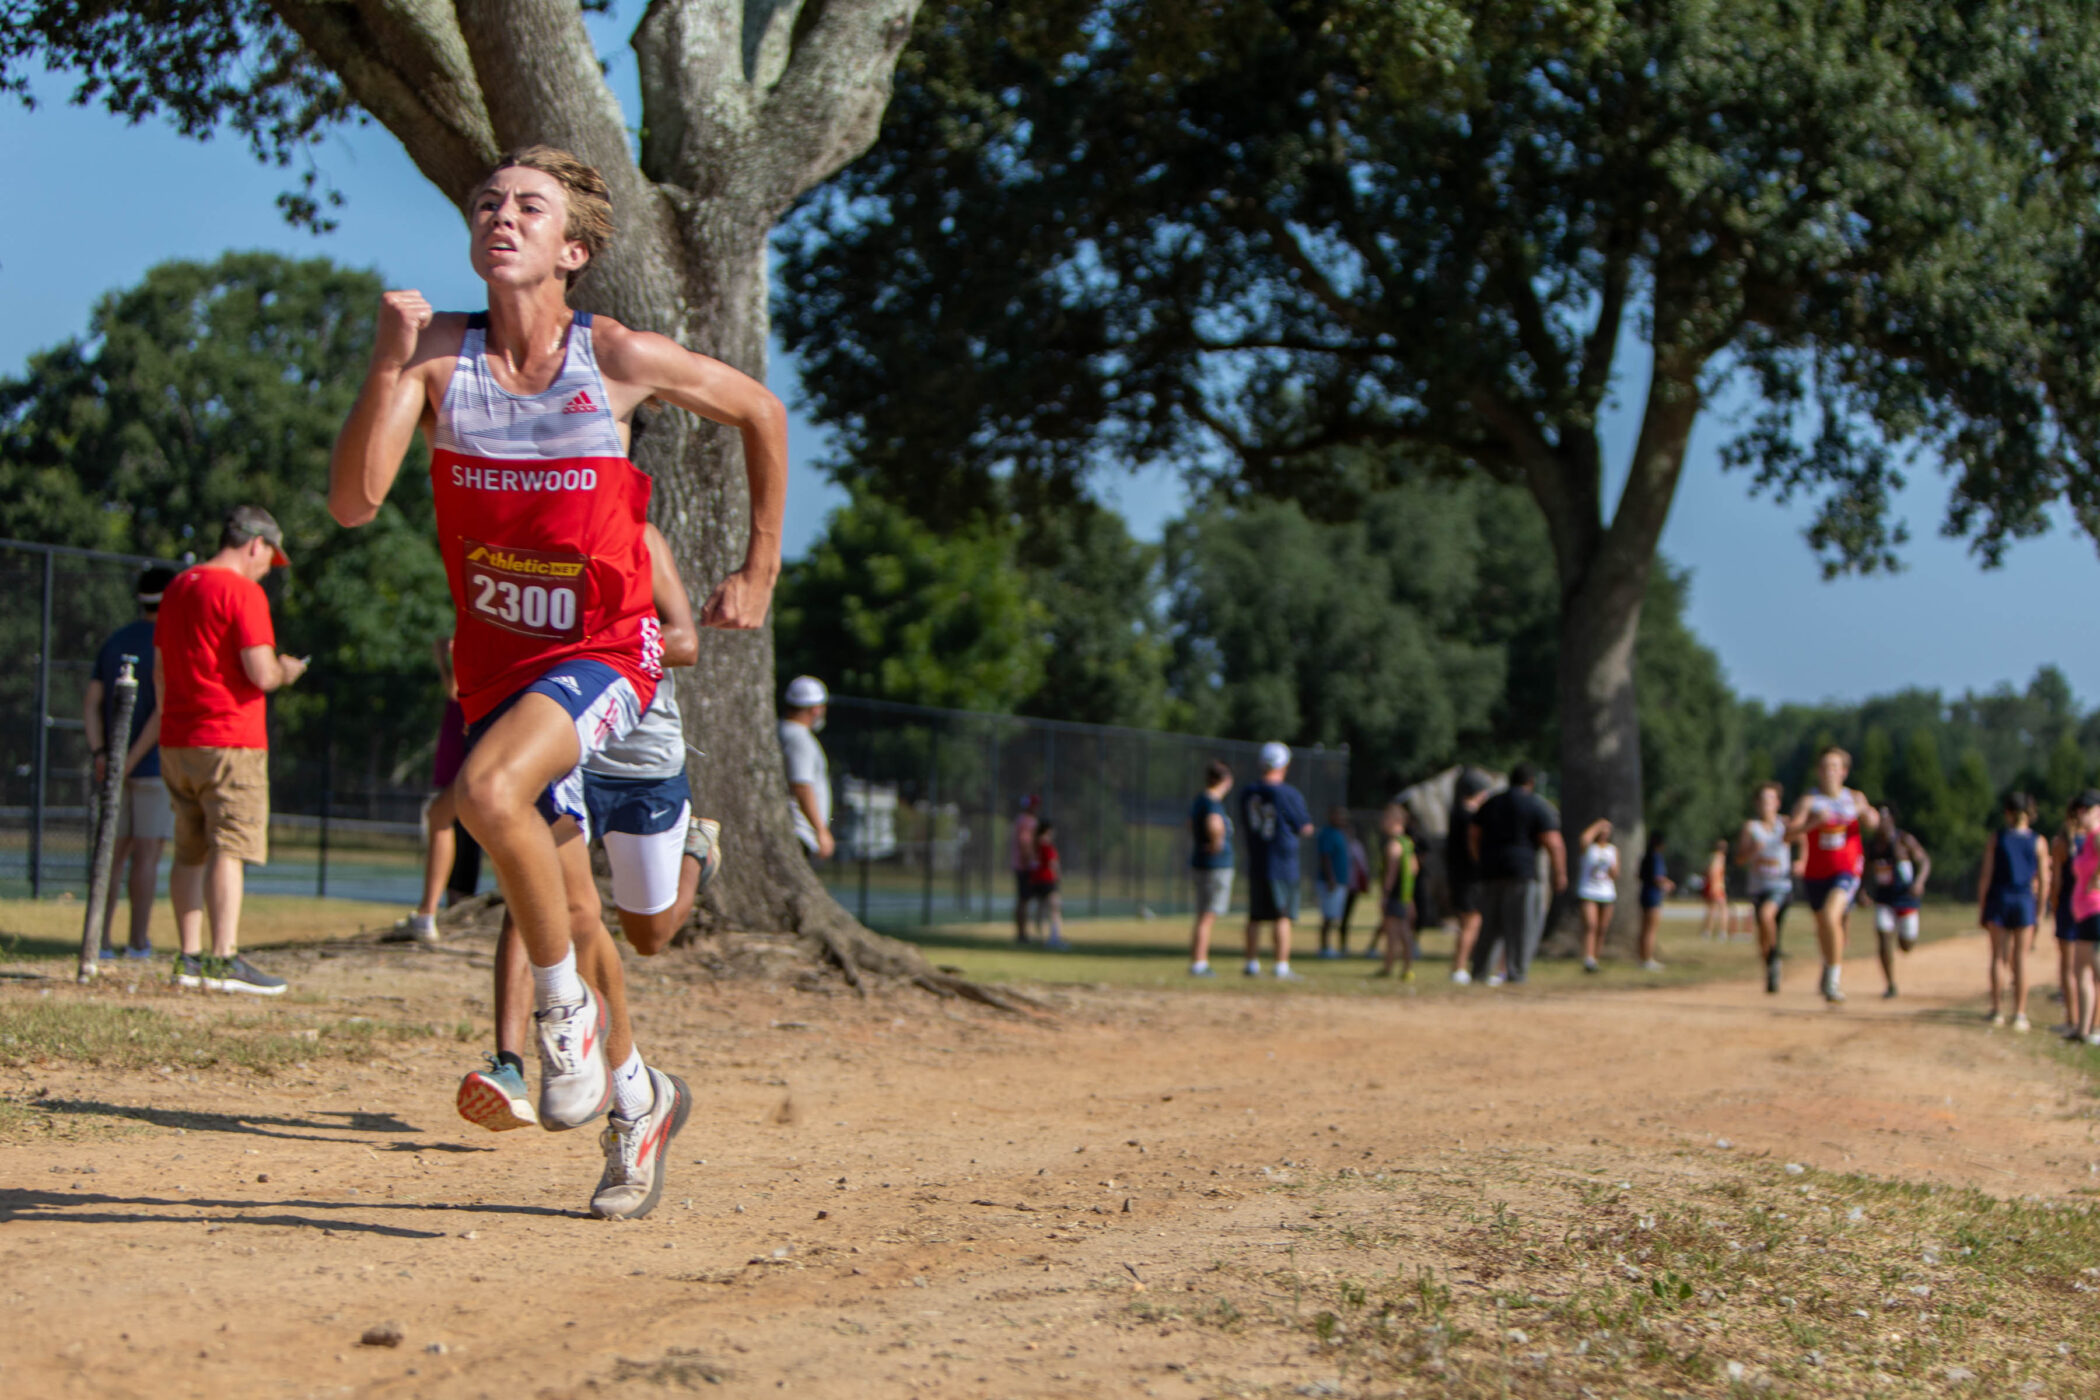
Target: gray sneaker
(189, 970)
(575, 1082)
(237, 974)
(703, 842)
(634, 1151)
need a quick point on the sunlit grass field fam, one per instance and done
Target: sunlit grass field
(1128, 952)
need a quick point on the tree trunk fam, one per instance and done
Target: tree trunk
(1600, 723)
(1603, 572)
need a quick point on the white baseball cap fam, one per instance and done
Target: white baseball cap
(1274, 755)
(805, 691)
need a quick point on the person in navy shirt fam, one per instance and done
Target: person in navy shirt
(1275, 818)
(145, 821)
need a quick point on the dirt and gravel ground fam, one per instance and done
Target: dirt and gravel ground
(1686, 1191)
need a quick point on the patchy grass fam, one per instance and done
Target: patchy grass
(141, 1037)
(1773, 1281)
(1153, 954)
(35, 930)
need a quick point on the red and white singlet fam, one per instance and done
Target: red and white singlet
(540, 517)
(1834, 845)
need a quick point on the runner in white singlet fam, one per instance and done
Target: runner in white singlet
(1768, 860)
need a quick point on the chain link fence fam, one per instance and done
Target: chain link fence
(923, 799)
(924, 802)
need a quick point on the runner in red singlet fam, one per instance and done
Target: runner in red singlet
(1829, 820)
(528, 409)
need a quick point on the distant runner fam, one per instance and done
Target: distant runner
(1897, 868)
(1767, 858)
(1830, 820)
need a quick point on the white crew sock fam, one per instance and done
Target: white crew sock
(557, 985)
(632, 1095)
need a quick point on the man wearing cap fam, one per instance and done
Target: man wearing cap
(144, 820)
(1275, 817)
(808, 772)
(215, 658)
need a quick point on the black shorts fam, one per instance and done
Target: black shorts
(2089, 929)
(1397, 908)
(1465, 897)
(1269, 900)
(1024, 884)
(1781, 896)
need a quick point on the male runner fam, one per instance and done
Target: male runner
(529, 410)
(1763, 849)
(1830, 819)
(660, 856)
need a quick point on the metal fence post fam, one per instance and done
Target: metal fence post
(42, 766)
(867, 801)
(933, 817)
(1100, 819)
(327, 787)
(991, 812)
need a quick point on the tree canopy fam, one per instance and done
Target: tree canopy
(1240, 236)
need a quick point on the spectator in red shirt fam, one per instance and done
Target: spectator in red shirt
(214, 659)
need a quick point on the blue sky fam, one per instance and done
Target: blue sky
(97, 202)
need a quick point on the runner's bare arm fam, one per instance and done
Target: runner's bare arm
(1869, 814)
(674, 610)
(724, 395)
(1921, 866)
(1797, 824)
(382, 423)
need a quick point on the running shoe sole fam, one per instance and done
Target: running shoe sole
(483, 1103)
(682, 1107)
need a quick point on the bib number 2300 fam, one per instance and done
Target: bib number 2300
(523, 591)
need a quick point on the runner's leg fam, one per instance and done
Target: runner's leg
(1999, 959)
(2088, 980)
(530, 746)
(437, 859)
(2017, 948)
(1885, 942)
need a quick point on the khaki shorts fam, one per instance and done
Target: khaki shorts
(221, 799)
(143, 813)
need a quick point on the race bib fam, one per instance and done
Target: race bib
(1832, 838)
(524, 591)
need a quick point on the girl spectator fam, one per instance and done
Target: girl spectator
(1397, 909)
(2015, 871)
(1331, 880)
(2085, 907)
(1655, 885)
(1714, 886)
(1597, 888)
(2063, 852)
(1049, 875)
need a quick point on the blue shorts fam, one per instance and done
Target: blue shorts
(636, 806)
(2009, 908)
(2066, 923)
(1818, 892)
(1651, 897)
(602, 705)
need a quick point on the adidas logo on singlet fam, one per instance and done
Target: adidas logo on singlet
(581, 403)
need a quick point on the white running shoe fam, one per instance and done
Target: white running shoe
(2020, 1025)
(1462, 976)
(1495, 979)
(575, 1081)
(1651, 966)
(634, 1151)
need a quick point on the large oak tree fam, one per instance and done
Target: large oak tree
(1245, 235)
(745, 105)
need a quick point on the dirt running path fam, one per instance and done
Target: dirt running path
(897, 1199)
